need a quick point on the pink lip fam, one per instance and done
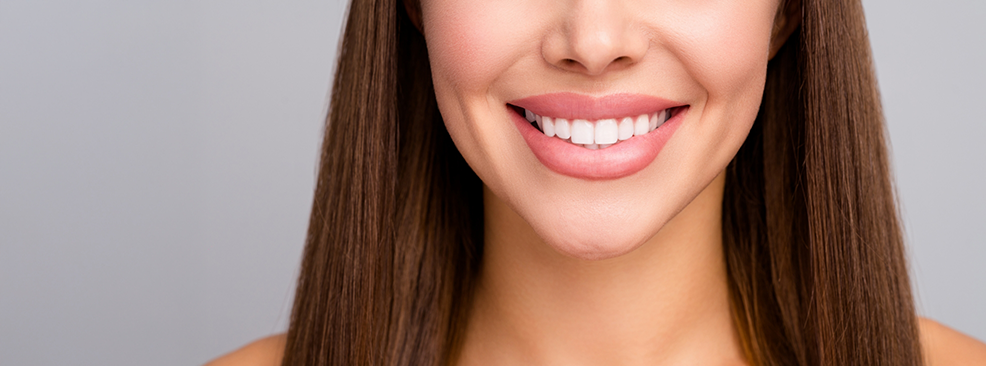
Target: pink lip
(617, 161)
(572, 106)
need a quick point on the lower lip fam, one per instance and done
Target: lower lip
(617, 161)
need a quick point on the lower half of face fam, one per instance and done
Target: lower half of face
(598, 121)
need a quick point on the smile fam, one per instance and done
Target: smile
(596, 138)
(598, 134)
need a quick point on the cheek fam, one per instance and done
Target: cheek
(472, 49)
(468, 43)
(726, 48)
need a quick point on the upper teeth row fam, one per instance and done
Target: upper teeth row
(602, 133)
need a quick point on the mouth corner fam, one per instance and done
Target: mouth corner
(674, 111)
(517, 109)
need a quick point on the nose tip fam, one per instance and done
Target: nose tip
(595, 40)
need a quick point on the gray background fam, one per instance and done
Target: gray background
(157, 162)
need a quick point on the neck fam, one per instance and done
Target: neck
(665, 303)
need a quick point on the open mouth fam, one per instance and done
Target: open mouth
(597, 134)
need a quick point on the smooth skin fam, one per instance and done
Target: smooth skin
(627, 271)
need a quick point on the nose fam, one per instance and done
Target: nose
(596, 36)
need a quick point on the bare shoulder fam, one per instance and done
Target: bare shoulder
(944, 346)
(263, 352)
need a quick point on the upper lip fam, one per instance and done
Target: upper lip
(580, 106)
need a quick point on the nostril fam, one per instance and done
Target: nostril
(572, 65)
(575, 65)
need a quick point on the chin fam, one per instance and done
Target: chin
(594, 242)
(593, 249)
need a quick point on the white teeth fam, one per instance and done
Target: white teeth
(607, 132)
(548, 126)
(658, 119)
(562, 128)
(598, 134)
(582, 132)
(640, 126)
(626, 128)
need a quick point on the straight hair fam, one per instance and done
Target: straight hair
(814, 251)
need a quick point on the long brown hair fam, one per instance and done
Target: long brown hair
(814, 249)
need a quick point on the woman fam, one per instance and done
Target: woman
(605, 182)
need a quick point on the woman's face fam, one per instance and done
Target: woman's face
(637, 106)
